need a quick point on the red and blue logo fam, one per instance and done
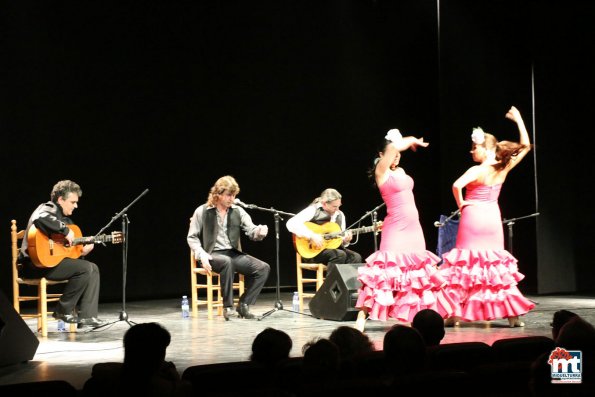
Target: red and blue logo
(567, 365)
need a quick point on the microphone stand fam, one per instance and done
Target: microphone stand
(510, 223)
(452, 215)
(374, 214)
(278, 303)
(122, 214)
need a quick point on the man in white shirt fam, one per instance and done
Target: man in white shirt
(322, 211)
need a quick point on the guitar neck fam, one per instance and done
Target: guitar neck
(92, 240)
(364, 229)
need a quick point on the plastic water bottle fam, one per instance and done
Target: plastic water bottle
(295, 303)
(61, 326)
(185, 307)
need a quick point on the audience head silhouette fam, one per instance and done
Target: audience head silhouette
(145, 346)
(577, 334)
(430, 325)
(271, 346)
(351, 343)
(321, 360)
(560, 318)
(404, 349)
(144, 371)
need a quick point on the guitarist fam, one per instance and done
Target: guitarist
(322, 210)
(82, 288)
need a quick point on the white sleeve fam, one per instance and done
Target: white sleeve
(296, 224)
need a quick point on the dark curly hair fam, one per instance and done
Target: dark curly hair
(64, 188)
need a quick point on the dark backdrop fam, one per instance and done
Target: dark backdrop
(291, 97)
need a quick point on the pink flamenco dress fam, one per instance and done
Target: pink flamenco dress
(401, 278)
(482, 276)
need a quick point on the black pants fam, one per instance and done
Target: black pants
(82, 287)
(255, 271)
(331, 257)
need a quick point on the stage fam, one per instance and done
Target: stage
(70, 356)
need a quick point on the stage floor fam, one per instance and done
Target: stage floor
(70, 356)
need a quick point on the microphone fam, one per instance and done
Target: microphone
(438, 224)
(242, 204)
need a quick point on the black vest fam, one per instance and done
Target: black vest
(210, 228)
(321, 216)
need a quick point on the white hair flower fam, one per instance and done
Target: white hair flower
(393, 135)
(478, 136)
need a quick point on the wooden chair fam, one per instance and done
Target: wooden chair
(459, 355)
(320, 270)
(42, 297)
(211, 285)
(236, 377)
(523, 348)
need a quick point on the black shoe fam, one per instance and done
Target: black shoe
(228, 313)
(67, 318)
(244, 311)
(91, 322)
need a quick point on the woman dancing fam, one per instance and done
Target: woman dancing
(482, 276)
(400, 278)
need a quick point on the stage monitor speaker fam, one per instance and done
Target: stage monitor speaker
(17, 342)
(336, 298)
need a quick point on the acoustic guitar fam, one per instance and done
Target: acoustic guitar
(48, 251)
(332, 237)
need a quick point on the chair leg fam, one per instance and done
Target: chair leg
(300, 286)
(219, 297)
(194, 294)
(73, 327)
(319, 277)
(42, 321)
(210, 296)
(15, 297)
(241, 281)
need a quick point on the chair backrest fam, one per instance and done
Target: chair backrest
(526, 348)
(48, 387)
(16, 237)
(237, 376)
(432, 382)
(459, 356)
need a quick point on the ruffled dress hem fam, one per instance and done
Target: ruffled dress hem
(483, 283)
(398, 285)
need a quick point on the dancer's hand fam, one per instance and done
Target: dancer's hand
(514, 115)
(464, 203)
(418, 142)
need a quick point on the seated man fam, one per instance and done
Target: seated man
(214, 237)
(324, 209)
(53, 218)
